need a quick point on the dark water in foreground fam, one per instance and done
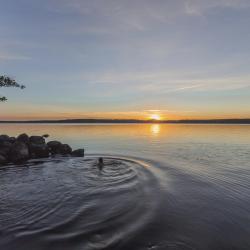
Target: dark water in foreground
(162, 187)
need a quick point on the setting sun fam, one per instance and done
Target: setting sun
(155, 117)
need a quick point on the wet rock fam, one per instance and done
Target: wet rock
(22, 148)
(4, 138)
(4, 153)
(65, 149)
(54, 147)
(3, 160)
(23, 138)
(57, 147)
(5, 147)
(38, 150)
(19, 152)
(12, 139)
(37, 140)
(78, 153)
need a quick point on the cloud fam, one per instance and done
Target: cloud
(164, 82)
(198, 85)
(107, 16)
(200, 7)
(5, 56)
(167, 111)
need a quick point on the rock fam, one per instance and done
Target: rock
(37, 140)
(22, 148)
(38, 150)
(55, 147)
(3, 160)
(23, 138)
(4, 153)
(65, 149)
(78, 153)
(19, 152)
(4, 138)
(5, 147)
(12, 139)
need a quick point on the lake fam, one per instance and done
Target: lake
(163, 186)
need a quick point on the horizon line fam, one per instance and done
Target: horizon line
(108, 120)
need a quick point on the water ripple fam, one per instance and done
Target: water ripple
(70, 202)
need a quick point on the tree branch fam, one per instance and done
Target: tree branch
(3, 99)
(6, 81)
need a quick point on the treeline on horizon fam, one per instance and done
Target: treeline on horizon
(207, 121)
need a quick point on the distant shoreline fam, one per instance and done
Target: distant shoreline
(131, 121)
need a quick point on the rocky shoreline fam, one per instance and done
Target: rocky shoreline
(23, 148)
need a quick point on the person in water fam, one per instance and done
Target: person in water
(100, 163)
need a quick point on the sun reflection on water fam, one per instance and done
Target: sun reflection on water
(155, 129)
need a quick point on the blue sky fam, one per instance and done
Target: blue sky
(124, 58)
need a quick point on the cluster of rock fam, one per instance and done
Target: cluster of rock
(23, 148)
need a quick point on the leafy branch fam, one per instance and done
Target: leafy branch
(6, 81)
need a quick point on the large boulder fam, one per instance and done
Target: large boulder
(57, 147)
(65, 149)
(4, 138)
(19, 152)
(12, 139)
(38, 150)
(23, 138)
(54, 147)
(5, 147)
(37, 140)
(78, 153)
(3, 160)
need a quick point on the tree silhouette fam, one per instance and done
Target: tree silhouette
(6, 81)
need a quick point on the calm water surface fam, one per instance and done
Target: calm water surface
(162, 187)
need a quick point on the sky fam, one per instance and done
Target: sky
(178, 59)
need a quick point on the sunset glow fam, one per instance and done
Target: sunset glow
(156, 117)
(117, 59)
